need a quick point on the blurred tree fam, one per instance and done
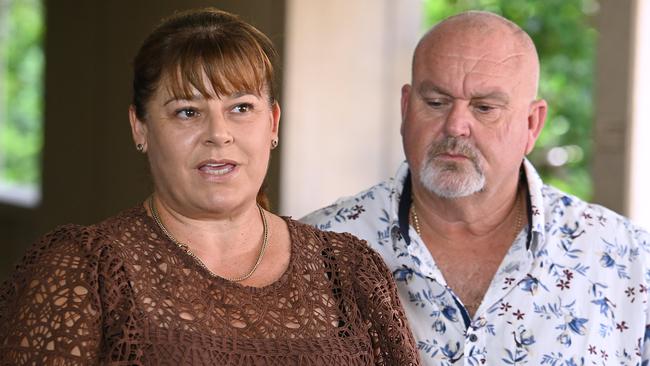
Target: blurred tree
(565, 40)
(21, 114)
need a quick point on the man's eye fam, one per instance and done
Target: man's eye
(483, 108)
(187, 113)
(435, 103)
(243, 108)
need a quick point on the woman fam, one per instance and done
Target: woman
(200, 273)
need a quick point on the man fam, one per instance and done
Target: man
(493, 267)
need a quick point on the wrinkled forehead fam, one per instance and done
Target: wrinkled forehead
(477, 58)
(484, 62)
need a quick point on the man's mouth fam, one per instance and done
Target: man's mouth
(452, 155)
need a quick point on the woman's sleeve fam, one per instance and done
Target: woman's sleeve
(50, 312)
(392, 339)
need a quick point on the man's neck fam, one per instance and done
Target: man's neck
(463, 220)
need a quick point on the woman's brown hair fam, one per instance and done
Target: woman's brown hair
(192, 46)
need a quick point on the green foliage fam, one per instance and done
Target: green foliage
(22, 110)
(565, 40)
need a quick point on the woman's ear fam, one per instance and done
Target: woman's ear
(138, 130)
(275, 120)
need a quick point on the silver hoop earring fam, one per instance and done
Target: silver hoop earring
(274, 143)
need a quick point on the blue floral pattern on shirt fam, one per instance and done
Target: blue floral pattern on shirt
(576, 295)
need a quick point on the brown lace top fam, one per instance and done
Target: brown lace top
(120, 293)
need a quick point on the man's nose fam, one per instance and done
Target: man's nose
(458, 120)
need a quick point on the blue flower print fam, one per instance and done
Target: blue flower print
(573, 288)
(577, 325)
(607, 261)
(450, 312)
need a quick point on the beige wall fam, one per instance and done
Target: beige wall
(638, 198)
(90, 167)
(346, 62)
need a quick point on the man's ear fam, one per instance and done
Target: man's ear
(138, 129)
(536, 120)
(404, 102)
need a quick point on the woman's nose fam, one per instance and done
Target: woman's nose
(218, 131)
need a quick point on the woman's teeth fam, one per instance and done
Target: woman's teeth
(217, 169)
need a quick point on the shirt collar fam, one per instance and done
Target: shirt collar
(536, 212)
(401, 203)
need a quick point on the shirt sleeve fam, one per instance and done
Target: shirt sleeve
(392, 339)
(50, 312)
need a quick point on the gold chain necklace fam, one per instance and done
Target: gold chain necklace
(518, 219)
(265, 243)
(415, 219)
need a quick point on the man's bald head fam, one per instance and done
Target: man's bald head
(473, 93)
(479, 33)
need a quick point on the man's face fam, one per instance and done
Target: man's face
(466, 118)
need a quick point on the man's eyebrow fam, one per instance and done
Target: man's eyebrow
(428, 87)
(498, 95)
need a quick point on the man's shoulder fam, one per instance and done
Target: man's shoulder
(571, 212)
(354, 213)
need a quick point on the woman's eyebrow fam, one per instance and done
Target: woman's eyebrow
(241, 94)
(173, 99)
(199, 96)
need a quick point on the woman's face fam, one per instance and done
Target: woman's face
(208, 156)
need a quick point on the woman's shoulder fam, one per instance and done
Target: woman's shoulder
(77, 241)
(344, 244)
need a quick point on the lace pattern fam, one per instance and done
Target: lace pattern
(120, 293)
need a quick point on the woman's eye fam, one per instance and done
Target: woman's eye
(187, 113)
(243, 108)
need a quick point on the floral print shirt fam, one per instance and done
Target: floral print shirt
(573, 288)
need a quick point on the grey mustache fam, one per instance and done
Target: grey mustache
(453, 145)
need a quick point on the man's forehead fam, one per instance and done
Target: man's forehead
(430, 87)
(458, 71)
(477, 49)
(483, 58)
(493, 42)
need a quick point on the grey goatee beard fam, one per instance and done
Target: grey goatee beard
(452, 179)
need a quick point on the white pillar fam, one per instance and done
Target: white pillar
(345, 63)
(638, 199)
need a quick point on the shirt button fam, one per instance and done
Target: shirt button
(473, 337)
